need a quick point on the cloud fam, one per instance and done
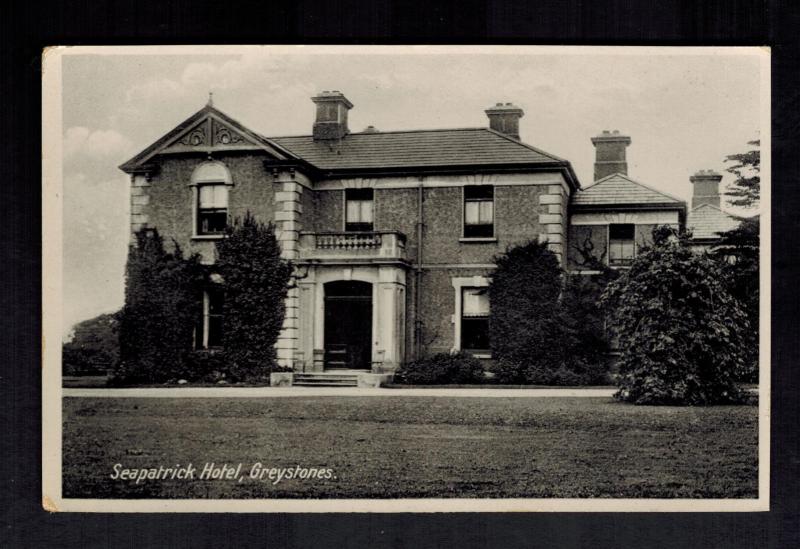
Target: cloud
(95, 236)
(160, 89)
(81, 141)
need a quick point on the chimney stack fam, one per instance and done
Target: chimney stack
(610, 154)
(706, 188)
(504, 118)
(331, 122)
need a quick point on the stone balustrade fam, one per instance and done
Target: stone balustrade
(357, 245)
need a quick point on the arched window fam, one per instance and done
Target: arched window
(211, 180)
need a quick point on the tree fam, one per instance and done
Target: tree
(93, 347)
(544, 329)
(682, 334)
(256, 283)
(746, 189)
(739, 248)
(156, 325)
(738, 253)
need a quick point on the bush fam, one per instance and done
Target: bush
(545, 327)
(255, 282)
(682, 334)
(80, 361)
(523, 325)
(442, 368)
(156, 325)
(577, 373)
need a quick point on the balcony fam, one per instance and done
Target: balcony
(353, 247)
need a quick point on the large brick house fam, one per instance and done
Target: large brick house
(393, 233)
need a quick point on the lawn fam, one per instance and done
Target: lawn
(390, 447)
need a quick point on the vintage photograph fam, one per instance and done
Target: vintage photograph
(318, 278)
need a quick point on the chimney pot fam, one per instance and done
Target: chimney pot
(705, 185)
(331, 121)
(610, 154)
(504, 118)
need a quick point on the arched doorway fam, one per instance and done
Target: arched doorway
(348, 325)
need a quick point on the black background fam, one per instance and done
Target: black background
(27, 27)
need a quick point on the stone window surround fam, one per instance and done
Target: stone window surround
(468, 239)
(195, 185)
(459, 283)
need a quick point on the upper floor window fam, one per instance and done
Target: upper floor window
(475, 319)
(479, 211)
(621, 247)
(211, 180)
(212, 209)
(359, 209)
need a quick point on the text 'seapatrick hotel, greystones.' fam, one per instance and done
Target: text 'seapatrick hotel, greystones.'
(394, 232)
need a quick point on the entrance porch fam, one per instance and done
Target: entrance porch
(351, 305)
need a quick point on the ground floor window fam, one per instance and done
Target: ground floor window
(210, 325)
(475, 320)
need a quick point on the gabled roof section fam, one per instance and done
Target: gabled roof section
(706, 221)
(208, 130)
(418, 149)
(620, 190)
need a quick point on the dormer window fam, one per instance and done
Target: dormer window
(211, 181)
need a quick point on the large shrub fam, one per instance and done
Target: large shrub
(442, 368)
(523, 326)
(681, 332)
(156, 325)
(545, 327)
(256, 282)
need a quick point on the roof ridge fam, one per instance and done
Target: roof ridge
(637, 182)
(531, 147)
(709, 205)
(379, 132)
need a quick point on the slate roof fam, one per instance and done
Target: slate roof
(380, 151)
(619, 190)
(706, 221)
(413, 149)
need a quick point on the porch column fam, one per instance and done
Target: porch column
(390, 310)
(307, 312)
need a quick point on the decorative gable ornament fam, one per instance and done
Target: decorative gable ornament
(206, 131)
(223, 135)
(195, 137)
(211, 134)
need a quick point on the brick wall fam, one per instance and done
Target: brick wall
(170, 205)
(585, 237)
(437, 308)
(517, 212)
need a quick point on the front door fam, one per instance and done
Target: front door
(348, 325)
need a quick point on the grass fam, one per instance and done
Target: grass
(390, 447)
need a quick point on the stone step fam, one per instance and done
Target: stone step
(329, 379)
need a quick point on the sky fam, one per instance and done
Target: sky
(683, 111)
